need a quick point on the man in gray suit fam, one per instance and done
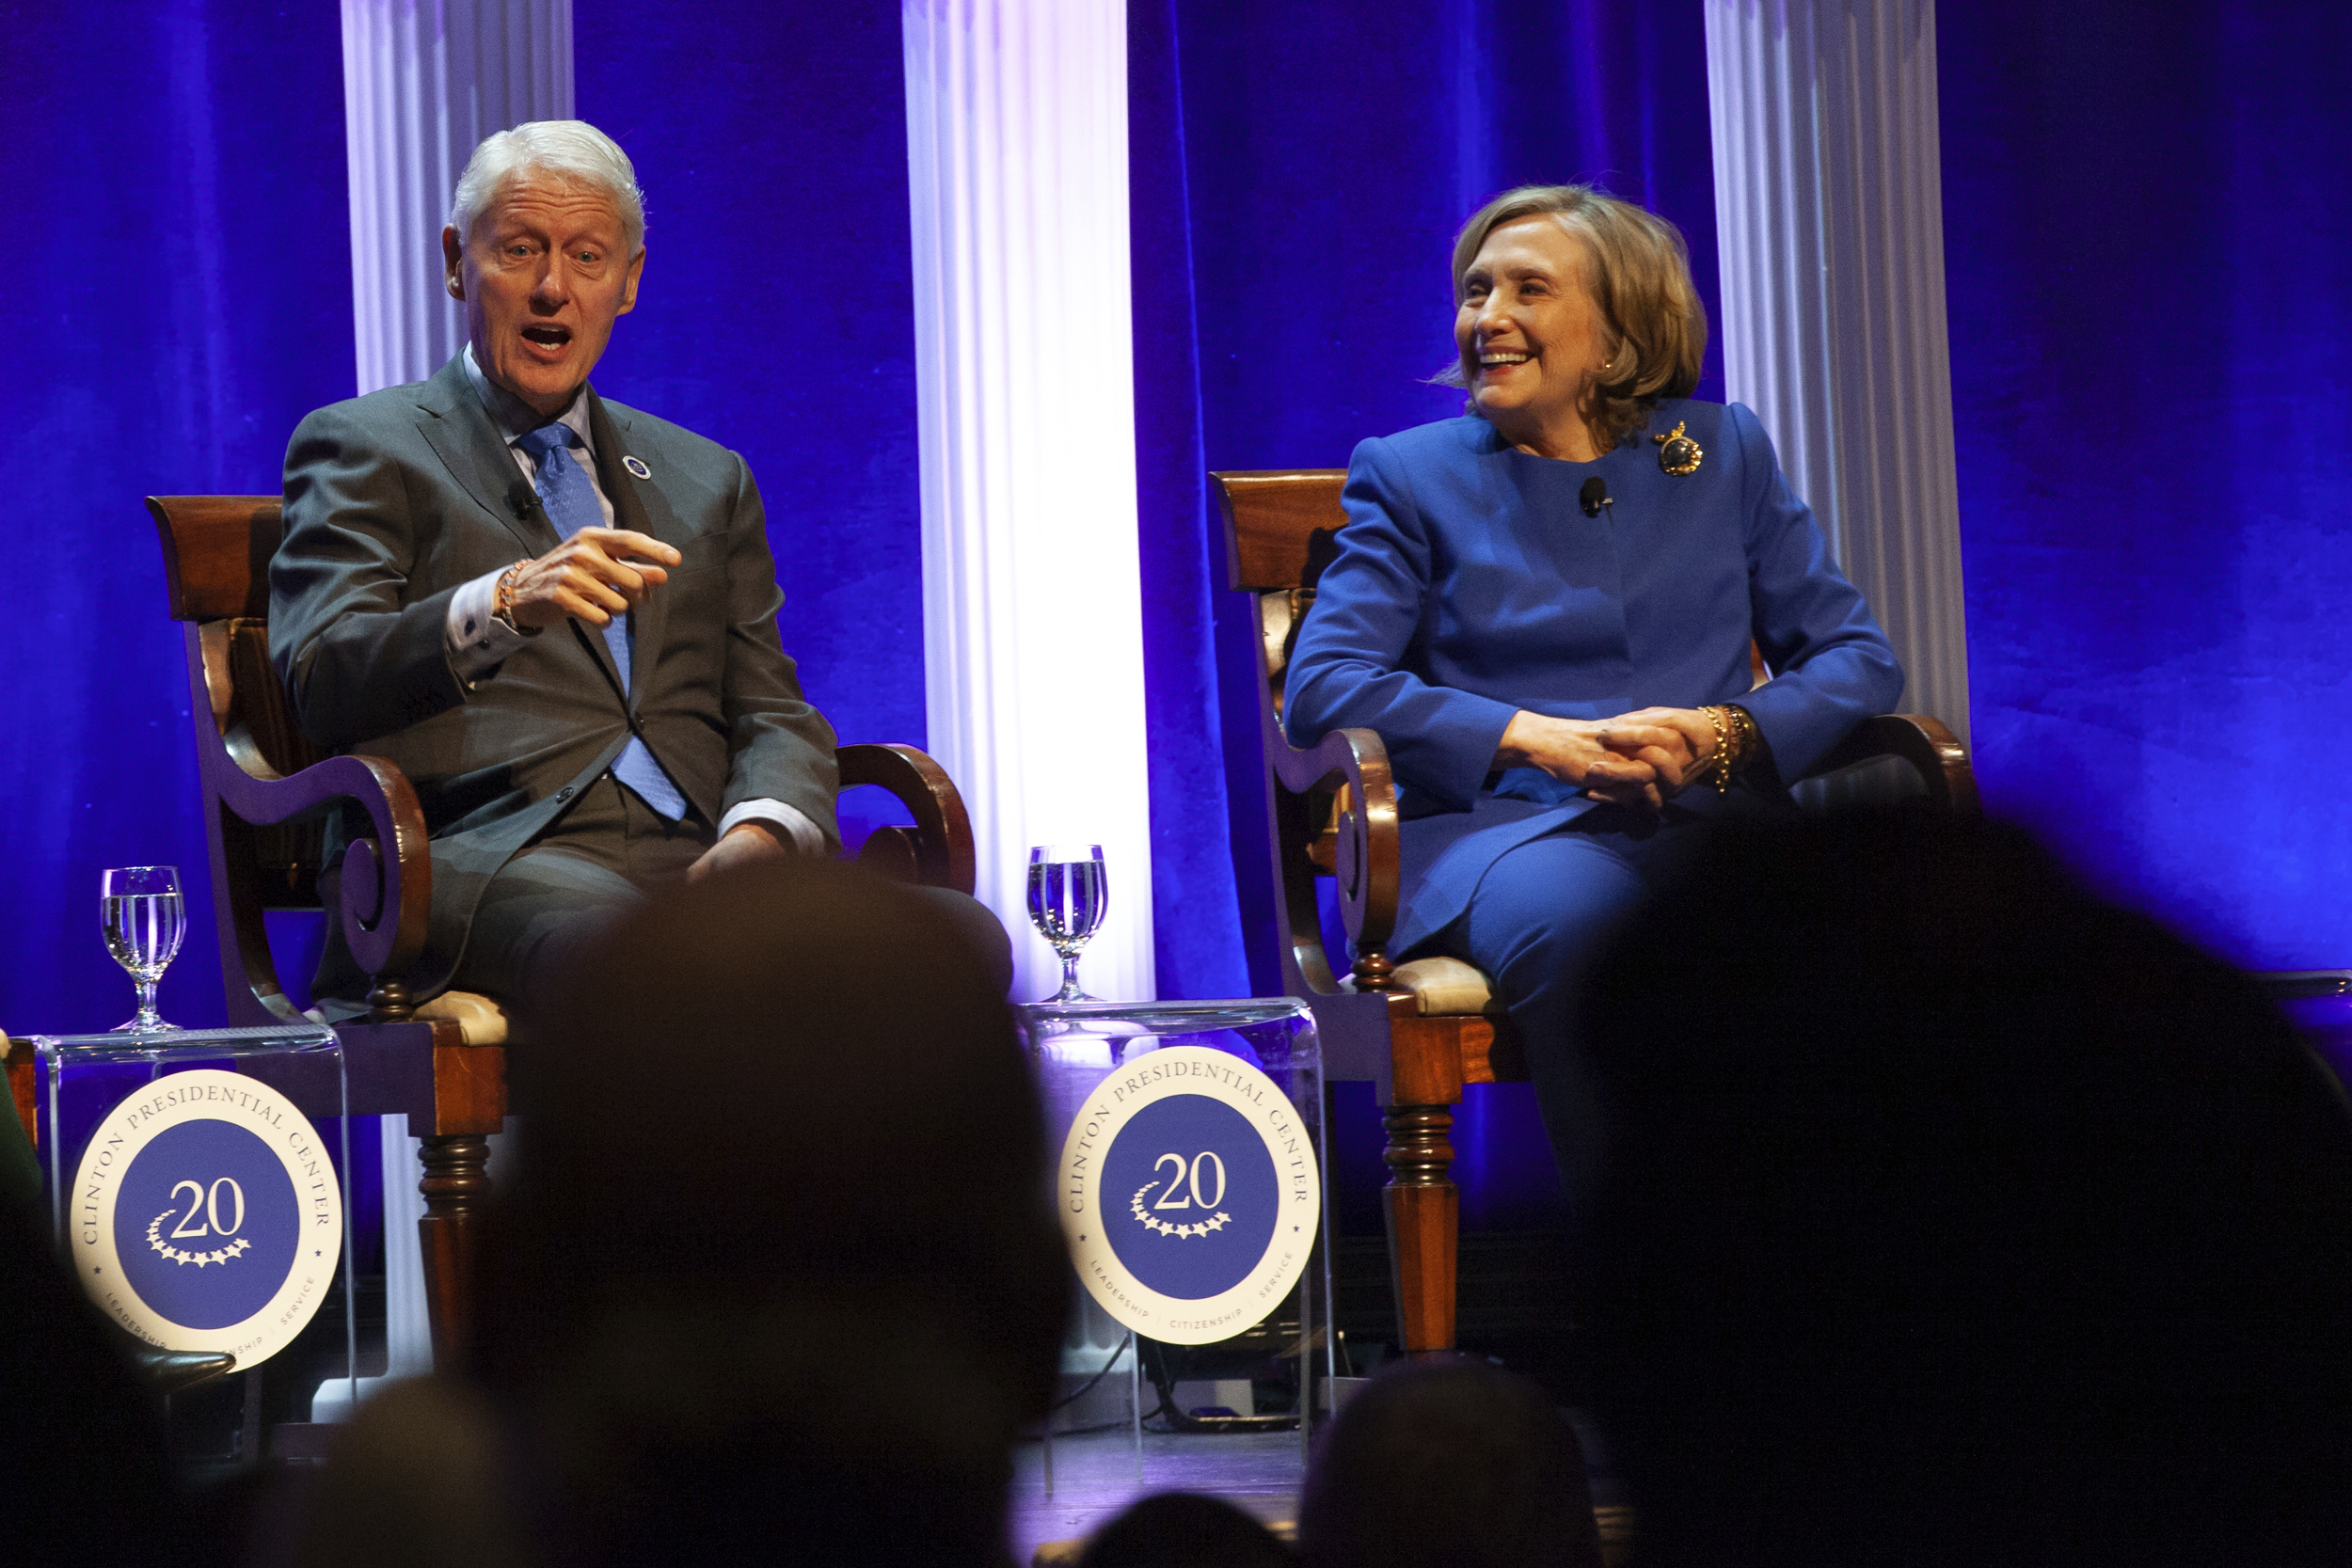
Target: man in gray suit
(556, 614)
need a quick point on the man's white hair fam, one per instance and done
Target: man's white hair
(570, 148)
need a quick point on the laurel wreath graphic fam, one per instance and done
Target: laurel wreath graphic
(1163, 1228)
(222, 1254)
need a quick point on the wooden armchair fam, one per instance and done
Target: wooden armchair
(266, 792)
(1422, 1030)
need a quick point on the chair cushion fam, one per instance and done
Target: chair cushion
(1446, 987)
(479, 1019)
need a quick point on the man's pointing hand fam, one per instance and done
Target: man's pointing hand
(594, 574)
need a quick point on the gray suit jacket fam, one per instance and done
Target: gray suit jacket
(395, 499)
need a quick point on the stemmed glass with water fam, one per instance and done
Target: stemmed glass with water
(144, 920)
(1067, 898)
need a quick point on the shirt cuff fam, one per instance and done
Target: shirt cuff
(805, 835)
(477, 642)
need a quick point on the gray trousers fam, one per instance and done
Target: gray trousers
(562, 888)
(593, 863)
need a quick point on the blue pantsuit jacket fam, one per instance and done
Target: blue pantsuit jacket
(1469, 584)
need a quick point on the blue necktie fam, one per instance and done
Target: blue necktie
(572, 503)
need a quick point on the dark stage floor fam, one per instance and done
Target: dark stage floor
(1094, 1477)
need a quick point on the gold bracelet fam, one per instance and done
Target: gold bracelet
(502, 601)
(1743, 729)
(1722, 748)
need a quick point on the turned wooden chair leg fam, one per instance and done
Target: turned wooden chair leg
(457, 1184)
(1425, 1222)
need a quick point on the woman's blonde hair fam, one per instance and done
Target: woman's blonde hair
(1639, 276)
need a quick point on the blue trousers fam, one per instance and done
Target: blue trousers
(1539, 916)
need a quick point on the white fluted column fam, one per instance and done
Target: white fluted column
(423, 82)
(1829, 220)
(1017, 164)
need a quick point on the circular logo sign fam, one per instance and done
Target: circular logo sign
(206, 1216)
(1189, 1195)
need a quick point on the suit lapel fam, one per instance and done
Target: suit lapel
(460, 432)
(639, 504)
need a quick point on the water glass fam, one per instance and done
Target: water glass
(144, 920)
(1068, 897)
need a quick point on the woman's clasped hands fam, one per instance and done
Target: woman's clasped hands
(1638, 759)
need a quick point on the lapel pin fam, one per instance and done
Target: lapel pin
(1677, 452)
(636, 466)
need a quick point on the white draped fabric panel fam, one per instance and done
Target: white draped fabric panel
(1829, 214)
(1017, 165)
(423, 82)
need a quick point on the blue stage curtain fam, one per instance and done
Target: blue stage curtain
(2147, 212)
(181, 296)
(776, 314)
(1297, 174)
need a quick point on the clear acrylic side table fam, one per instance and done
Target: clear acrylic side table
(1214, 1241)
(238, 1141)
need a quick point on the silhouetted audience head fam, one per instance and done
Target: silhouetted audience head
(1952, 1215)
(89, 1479)
(782, 1214)
(90, 1476)
(1456, 1462)
(774, 1274)
(1178, 1530)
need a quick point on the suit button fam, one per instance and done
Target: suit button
(564, 793)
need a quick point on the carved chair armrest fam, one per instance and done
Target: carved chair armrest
(937, 851)
(1352, 766)
(1920, 740)
(386, 888)
(386, 898)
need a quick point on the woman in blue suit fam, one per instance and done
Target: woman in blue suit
(1543, 609)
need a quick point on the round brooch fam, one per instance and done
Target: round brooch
(636, 466)
(1677, 452)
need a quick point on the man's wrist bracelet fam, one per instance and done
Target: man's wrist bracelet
(502, 602)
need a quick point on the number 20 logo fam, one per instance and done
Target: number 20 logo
(1189, 1176)
(208, 1204)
